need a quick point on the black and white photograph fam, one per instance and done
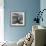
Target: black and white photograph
(17, 18)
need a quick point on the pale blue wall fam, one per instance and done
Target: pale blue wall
(43, 6)
(30, 7)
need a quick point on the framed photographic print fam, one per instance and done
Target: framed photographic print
(17, 18)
